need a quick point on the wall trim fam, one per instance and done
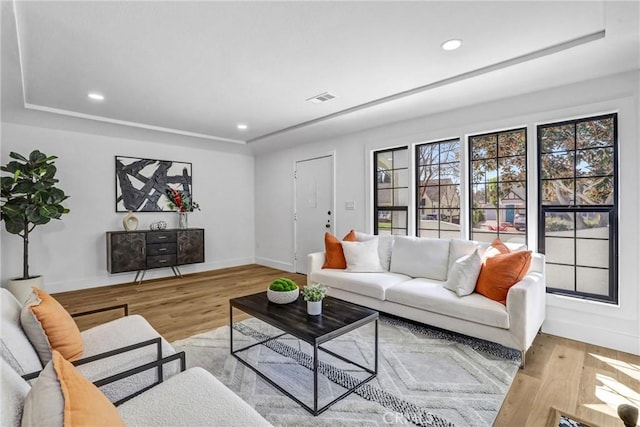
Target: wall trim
(124, 278)
(608, 338)
(278, 265)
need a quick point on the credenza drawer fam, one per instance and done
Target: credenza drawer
(161, 249)
(161, 261)
(161, 236)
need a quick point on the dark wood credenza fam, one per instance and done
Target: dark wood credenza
(143, 250)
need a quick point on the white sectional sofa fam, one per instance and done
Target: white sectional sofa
(411, 285)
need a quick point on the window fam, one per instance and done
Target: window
(391, 191)
(438, 189)
(577, 163)
(498, 199)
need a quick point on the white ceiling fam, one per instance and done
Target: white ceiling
(200, 68)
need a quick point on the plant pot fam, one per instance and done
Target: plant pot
(21, 288)
(283, 297)
(314, 308)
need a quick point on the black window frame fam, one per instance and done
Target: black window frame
(612, 209)
(418, 185)
(526, 180)
(393, 209)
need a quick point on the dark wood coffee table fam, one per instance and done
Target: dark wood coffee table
(338, 318)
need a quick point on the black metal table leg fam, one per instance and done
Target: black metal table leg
(315, 379)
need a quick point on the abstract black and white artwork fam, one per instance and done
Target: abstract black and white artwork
(141, 184)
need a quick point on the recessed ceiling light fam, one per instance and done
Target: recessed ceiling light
(96, 96)
(452, 44)
(242, 126)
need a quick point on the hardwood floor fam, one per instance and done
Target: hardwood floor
(572, 376)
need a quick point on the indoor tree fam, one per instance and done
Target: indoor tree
(30, 197)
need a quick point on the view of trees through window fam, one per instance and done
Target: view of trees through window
(576, 185)
(391, 191)
(498, 170)
(438, 189)
(578, 213)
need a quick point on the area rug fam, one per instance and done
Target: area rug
(426, 376)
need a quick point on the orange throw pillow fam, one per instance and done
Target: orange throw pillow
(84, 403)
(497, 247)
(500, 272)
(500, 246)
(61, 396)
(50, 327)
(333, 250)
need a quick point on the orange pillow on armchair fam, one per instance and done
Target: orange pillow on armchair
(500, 272)
(333, 250)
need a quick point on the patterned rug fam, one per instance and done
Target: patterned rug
(426, 376)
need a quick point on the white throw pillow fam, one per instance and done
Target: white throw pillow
(362, 257)
(420, 257)
(459, 248)
(464, 274)
(385, 245)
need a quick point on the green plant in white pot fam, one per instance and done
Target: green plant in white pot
(314, 294)
(29, 198)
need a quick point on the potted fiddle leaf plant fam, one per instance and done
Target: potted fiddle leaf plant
(29, 198)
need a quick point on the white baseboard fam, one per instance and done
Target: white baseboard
(121, 278)
(278, 265)
(616, 340)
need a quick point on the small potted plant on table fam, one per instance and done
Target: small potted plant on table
(313, 295)
(283, 291)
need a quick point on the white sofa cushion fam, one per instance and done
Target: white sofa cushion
(464, 274)
(362, 257)
(385, 246)
(420, 257)
(430, 295)
(121, 333)
(191, 398)
(373, 285)
(14, 391)
(15, 347)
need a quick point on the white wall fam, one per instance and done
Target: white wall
(614, 326)
(71, 253)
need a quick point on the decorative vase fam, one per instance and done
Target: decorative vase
(314, 308)
(130, 222)
(21, 288)
(183, 220)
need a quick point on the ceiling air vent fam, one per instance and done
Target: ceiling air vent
(323, 97)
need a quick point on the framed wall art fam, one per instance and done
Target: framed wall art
(142, 184)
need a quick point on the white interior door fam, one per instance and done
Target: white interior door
(314, 207)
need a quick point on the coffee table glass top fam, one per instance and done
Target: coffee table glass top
(337, 315)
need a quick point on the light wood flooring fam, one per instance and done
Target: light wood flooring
(571, 376)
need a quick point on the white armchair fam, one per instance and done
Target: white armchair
(109, 349)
